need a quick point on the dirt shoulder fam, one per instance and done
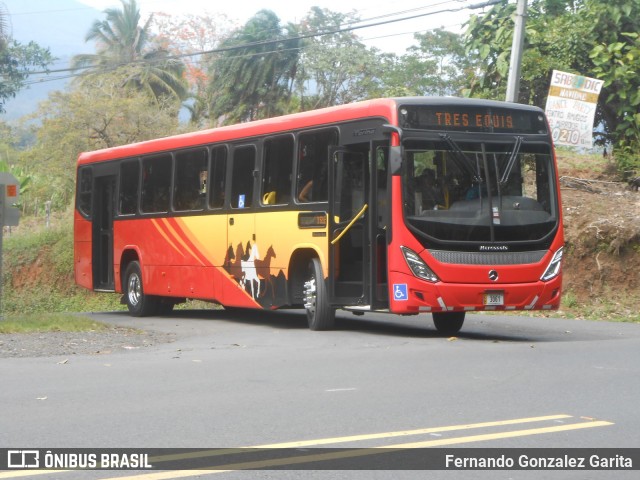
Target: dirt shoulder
(51, 344)
(602, 233)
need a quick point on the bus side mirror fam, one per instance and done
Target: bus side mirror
(395, 160)
(395, 153)
(389, 129)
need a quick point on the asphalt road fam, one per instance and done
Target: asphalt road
(252, 379)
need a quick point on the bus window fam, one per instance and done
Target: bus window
(278, 164)
(129, 179)
(244, 164)
(85, 188)
(156, 178)
(313, 166)
(217, 176)
(190, 181)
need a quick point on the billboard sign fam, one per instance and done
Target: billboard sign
(571, 108)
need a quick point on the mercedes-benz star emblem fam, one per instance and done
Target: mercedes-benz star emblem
(493, 275)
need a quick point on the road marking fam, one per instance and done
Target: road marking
(320, 457)
(358, 438)
(499, 435)
(584, 422)
(421, 431)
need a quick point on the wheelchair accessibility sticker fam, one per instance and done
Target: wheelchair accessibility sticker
(400, 292)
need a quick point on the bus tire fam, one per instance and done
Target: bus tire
(320, 315)
(139, 304)
(448, 323)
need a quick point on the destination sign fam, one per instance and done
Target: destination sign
(472, 119)
(312, 220)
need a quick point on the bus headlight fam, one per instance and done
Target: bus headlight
(417, 265)
(553, 270)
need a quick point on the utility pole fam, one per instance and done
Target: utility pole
(513, 82)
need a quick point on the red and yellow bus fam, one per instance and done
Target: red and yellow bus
(399, 205)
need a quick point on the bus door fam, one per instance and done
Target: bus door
(349, 252)
(242, 249)
(102, 235)
(379, 226)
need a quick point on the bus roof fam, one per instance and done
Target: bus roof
(380, 108)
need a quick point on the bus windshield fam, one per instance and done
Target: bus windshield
(469, 191)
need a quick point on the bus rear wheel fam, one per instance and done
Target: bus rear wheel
(139, 304)
(320, 315)
(448, 323)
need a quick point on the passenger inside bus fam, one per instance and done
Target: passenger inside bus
(431, 195)
(313, 157)
(308, 193)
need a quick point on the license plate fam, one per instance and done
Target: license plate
(493, 298)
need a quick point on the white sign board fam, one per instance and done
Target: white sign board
(571, 107)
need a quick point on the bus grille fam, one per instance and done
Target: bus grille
(488, 258)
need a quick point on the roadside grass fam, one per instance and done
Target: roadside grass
(38, 274)
(591, 164)
(49, 322)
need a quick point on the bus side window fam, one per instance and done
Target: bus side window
(278, 165)
(313, 165)
(85, 189)
(217, 176)
(129, 180)
(190, 180)
(156, 179)
(244, 164)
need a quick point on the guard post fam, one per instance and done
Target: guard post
(9, 214)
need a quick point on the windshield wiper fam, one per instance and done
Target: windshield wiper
(511, 162)
(461, 160)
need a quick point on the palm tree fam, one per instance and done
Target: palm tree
(122, 42)
(4, 26)
(254, 77)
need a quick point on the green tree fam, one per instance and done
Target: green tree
(437, 65)
(96, 114)
(336, 68)
(188, 35)
(121, 40)
(587, 37)
(16, 60)
(556, 38)
(253, 77)
(616, 60)
(4, 26)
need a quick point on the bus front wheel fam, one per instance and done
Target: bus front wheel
(320, 315)
(139, 304)
(448, 323)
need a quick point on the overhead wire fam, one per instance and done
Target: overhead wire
(357, 25)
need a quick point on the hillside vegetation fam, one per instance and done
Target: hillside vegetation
(601, 267)
(602, 234)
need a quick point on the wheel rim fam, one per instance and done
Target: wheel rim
(134, 291)
(310, 296)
